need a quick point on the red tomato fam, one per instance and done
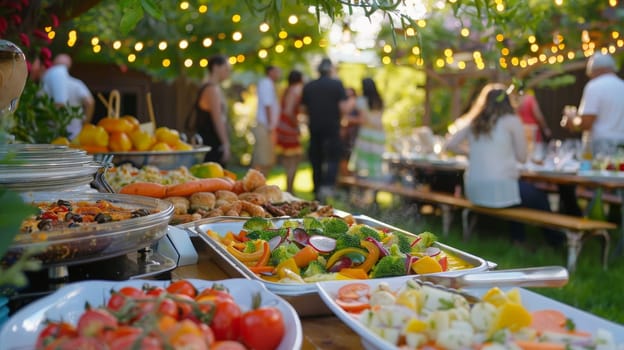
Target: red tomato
(353, 291)
(185, 306)
(207, 332)
(168, 307)
(155, 291)
(136, 341)
(354, 306)
(209, 294)
(262, 328)
(120, 332)
(226, 321)
(444, 263)
(83, 343)
(93, 322)
(183, 287)
(55, 330)
(119, 298)
(227, 345)
(190, 341)
(131, 292)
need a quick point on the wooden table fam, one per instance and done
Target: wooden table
(557, 178)
(319, 332)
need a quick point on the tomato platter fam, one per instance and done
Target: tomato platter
(238, 313)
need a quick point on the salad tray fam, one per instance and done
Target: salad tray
(68, 303)
(303, 296)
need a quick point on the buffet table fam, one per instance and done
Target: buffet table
(319, 332)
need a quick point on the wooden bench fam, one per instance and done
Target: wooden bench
(576, 229)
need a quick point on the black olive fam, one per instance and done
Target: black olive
(102, 218)
(64, 203)
(73, 217)
(140, 212)
(74, 224)
(45, 225)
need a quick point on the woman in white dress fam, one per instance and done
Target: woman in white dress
(496, 144)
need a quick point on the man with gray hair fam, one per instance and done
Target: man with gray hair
(601, 109)
(324, 102)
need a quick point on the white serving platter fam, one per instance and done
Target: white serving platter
(21, 330)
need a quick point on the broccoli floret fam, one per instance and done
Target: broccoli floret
(257, 223)
(346, 240)
(334, 226)
(290, 224)
(250, 247)
(402, 241)
(314, 268)
(389, 265)
(312, 223)
(283, 252)
(364, 231)
(424, 240)
(267, 234)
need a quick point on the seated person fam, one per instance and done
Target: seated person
(496, 143)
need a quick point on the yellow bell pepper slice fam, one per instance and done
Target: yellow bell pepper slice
(340, 253)
(373, 255)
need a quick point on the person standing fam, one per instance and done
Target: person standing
(370, 144)
(66, 90)
(210, 111)
(288, 135)
(267, 118)
(350, 125)
(324, 102)
(532, 116)
(601, 110)
(496, 143)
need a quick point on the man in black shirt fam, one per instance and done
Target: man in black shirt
(324, 100)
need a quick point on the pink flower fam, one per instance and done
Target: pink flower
(24, 39)
(55, 20)
(47, 63)
(16, 19)
(45, 53)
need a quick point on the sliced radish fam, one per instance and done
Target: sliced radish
(418, 239)
(300, 236)
(322, 244)
(383, 251)
(342, 263)
(409, 260)
(433, 251)
(275, 242)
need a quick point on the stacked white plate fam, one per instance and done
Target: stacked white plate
(45, 167)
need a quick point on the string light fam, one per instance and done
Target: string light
(298, 44)
(240, 58)
(387, 48)
(97, 48)
(183, 44)
(279, 48)
(202, 9)
(184, 5)
(262, 53)
(166, 62)
(416, 50)
(237, 36)
(95, 41)
(236, 18)
(162, 46)
(292, 19)
(465, 32)
(264, 27)
(138, 46)
(410, 31)
(131, 57)
(386, 60)
(282, 34)
(207, 42)
(307, 40)
(188, 63)
(51, 35)
(116, 44)
(203, 63)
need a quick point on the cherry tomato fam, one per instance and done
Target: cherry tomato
(262, 328)
(49, 215)
(55, 330)
(155, 291)
(120, 332)
(83, 343)
(210, 294)
(353, 291)
(136, 341)
(226, 321)
(93, 322)
(207, 333)
(354, 306)
(168, 307)
(183, 287)
(185, 306)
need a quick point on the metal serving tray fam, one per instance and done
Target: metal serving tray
(303, 296)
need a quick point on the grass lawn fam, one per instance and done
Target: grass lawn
(590, 288)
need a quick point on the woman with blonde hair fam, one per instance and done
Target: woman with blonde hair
(496, 144)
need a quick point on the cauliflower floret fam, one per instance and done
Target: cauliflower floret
(482, 316)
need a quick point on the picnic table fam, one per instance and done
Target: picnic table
(607, 180)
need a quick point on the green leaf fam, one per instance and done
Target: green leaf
(13, 211)
(153, 9)
(132, 14)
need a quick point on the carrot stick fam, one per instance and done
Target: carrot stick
(148, 189)
(204, 185)
(305, 256)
